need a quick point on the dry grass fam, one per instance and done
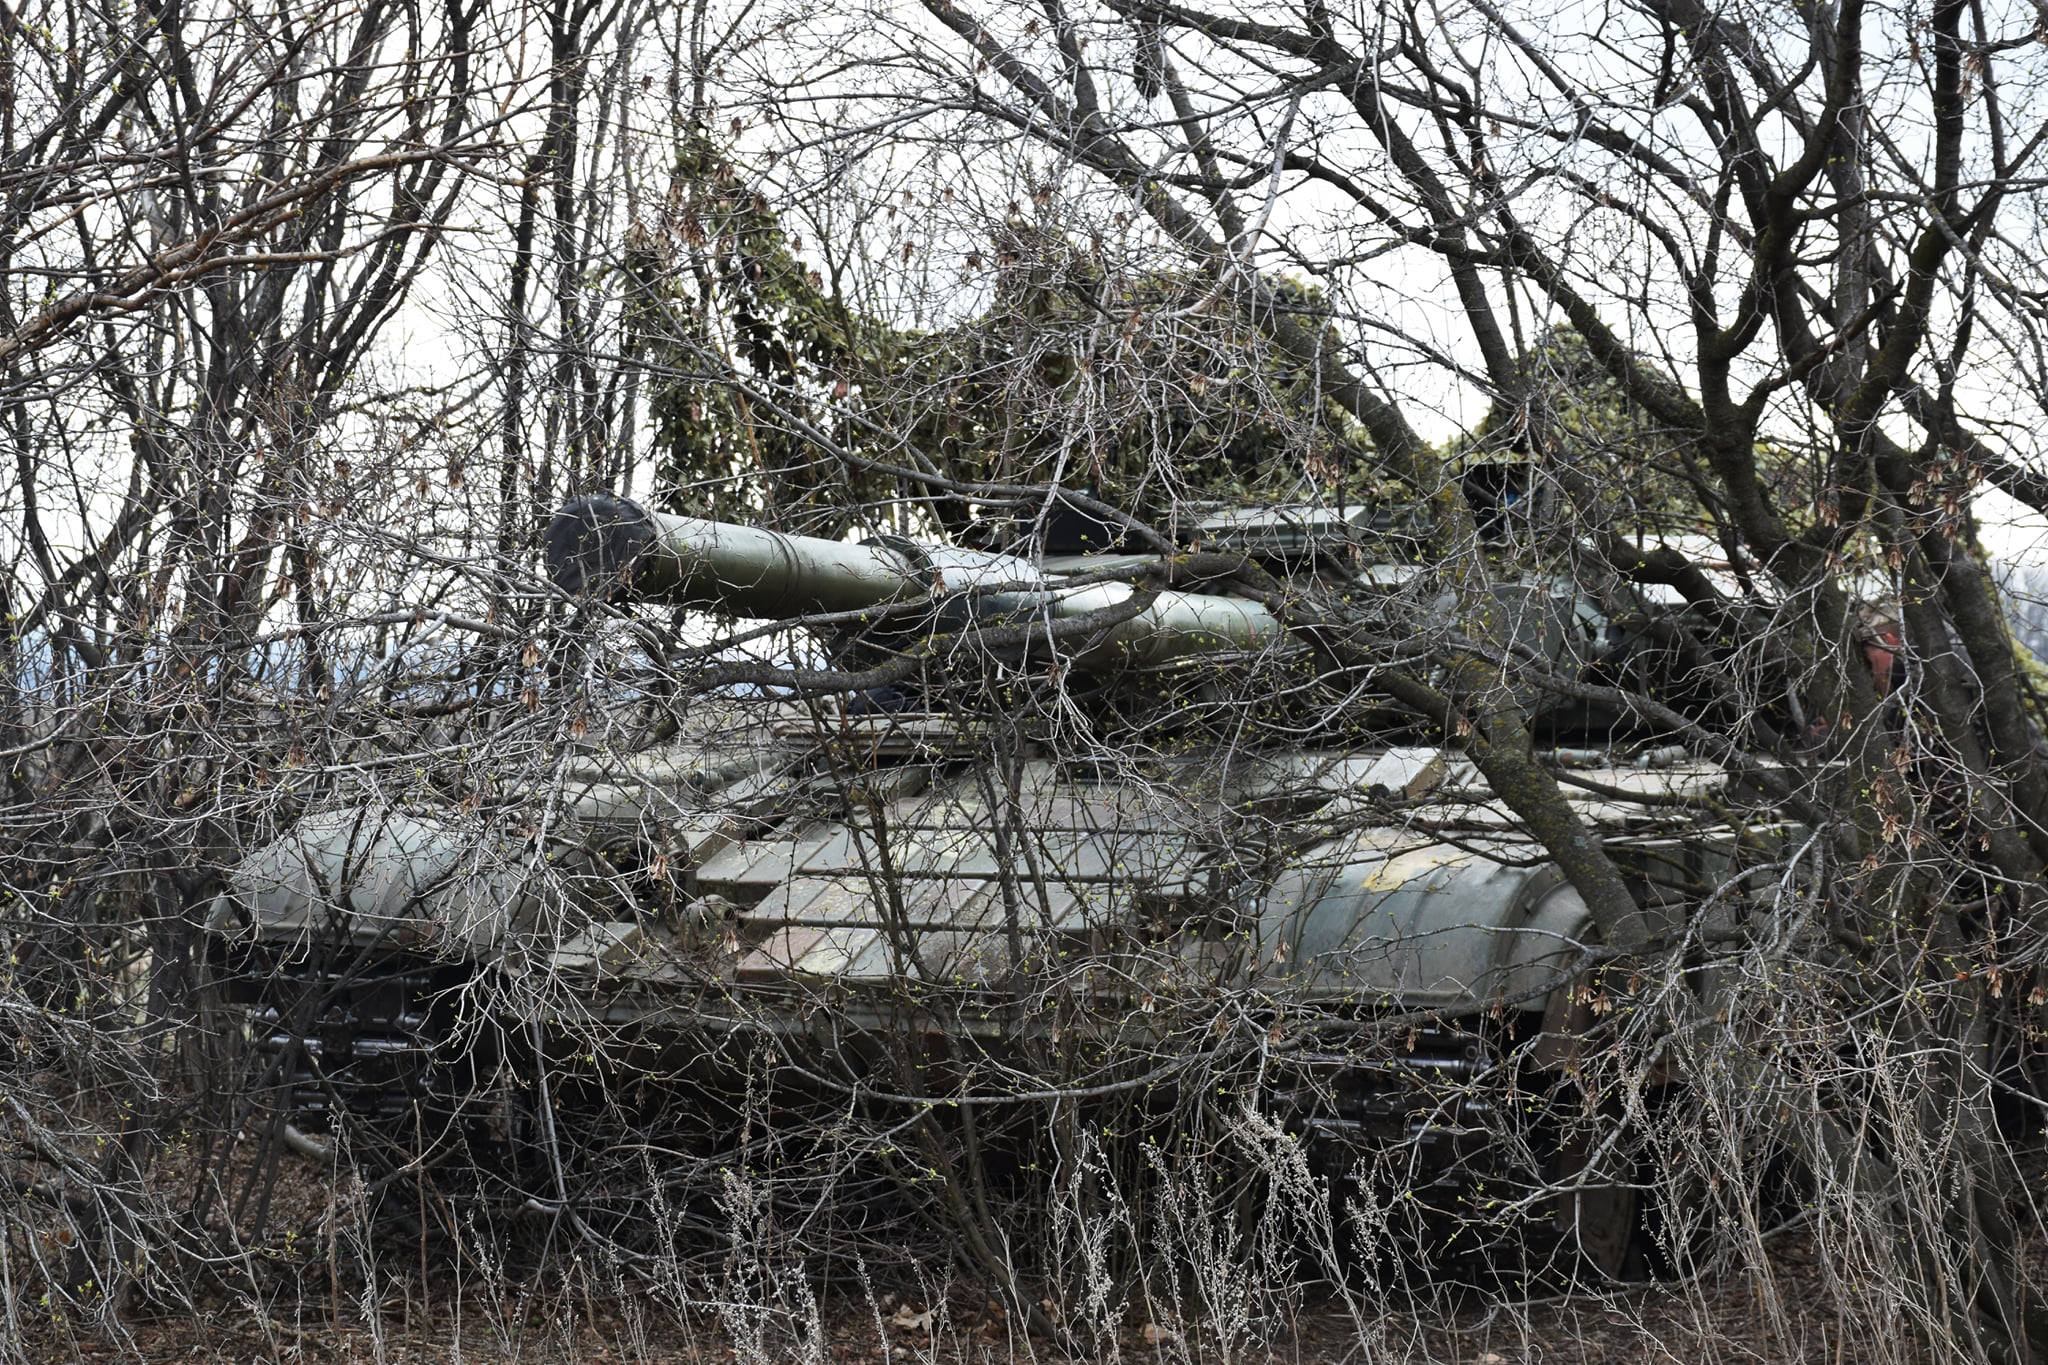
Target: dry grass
(1700, 1323)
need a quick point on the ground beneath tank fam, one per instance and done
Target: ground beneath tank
(1788, 1317)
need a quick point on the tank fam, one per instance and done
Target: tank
(998, 835)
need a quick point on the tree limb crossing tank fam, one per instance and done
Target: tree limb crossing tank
(602, 544)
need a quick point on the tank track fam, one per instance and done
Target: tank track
(370, 1044)
(1449, 1137)
(355, 1042)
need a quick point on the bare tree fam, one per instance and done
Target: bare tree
(207, 225)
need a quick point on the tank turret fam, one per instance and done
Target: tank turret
(607, 545)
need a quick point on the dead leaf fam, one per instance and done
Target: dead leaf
(911, 1321)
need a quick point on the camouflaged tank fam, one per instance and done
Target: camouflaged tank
(843, 870)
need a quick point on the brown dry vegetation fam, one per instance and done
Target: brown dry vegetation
(1649, 1325)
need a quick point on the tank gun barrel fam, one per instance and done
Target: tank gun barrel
(602, 543)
